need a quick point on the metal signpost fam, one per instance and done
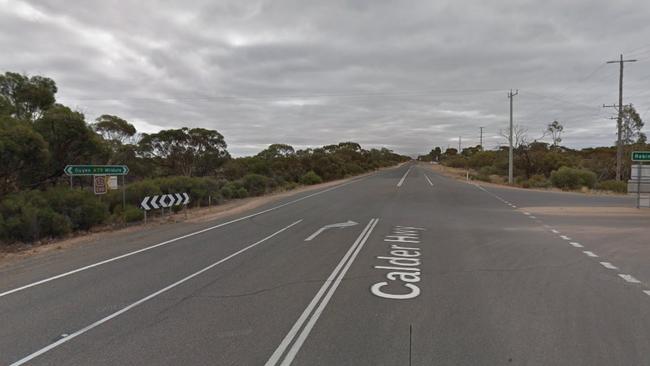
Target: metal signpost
(640, 178)
(100, 172)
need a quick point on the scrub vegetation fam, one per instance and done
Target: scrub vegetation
(39, 137)
(540, 164)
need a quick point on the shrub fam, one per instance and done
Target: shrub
(241, 193)
(612, 185)
(255, 184)
(82, 207)
(539, 181)
(132, 214)
(310, 178)
(571, 178)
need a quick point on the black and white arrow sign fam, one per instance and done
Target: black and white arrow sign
(165, 200)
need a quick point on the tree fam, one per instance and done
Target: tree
(186, 151)
(632, 126)
(24, 97)
(520, 136)
(70, 140)
(23, 154)
(276, 151)
(555, 130)
(114, 128)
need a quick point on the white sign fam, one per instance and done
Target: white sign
(99, 184)
(165, 200)
(112, 182)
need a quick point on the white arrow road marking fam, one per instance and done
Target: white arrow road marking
(154, 202)
(144, 203)
(332, 283)
(143, 300)
(428, 180)
(331, 226)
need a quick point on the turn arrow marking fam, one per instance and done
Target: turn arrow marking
(331, 226)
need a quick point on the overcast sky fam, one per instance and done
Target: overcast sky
(408, 75)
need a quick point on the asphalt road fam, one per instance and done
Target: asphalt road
(434, 272)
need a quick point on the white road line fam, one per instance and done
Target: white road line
(143, 300)
(334, 279)
(608, 265)
(629, 278)
(565, 237)
(590, 254)
(526, 213)
(513, 206)
(647, 292)
(576, 244)
(532, 217)
(554, 231)
(169, 241)
(401, 181)
(428, 180)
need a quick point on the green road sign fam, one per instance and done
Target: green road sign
(96, 170)
(641, 156)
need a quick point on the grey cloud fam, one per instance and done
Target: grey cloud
(410, 75)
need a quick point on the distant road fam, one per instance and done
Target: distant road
(403, 264)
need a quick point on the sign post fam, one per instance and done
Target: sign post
(640, 177)
(100, 172)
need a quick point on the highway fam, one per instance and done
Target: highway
(404, 266)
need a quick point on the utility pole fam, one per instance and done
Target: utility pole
(459, 143)
(481, 139)
(510, 158)
(619, 120)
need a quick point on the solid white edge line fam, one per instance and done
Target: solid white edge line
(170, 241)
(143, 300)
(293, 351)
(275, 357)
(428, 180)
(401, 181)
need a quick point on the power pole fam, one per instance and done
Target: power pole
(459, 143)
(619, 120)
(510, 158)
(481, 139)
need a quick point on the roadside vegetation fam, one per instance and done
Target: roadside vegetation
(39, 137)
(539, 164)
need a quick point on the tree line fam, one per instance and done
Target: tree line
(39, 137)
(544, 164)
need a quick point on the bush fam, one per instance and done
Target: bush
(310, 178)
(133, 214)
(241, 193)
(612, 185)
(539, 181)
(571, 178)
(83, 208)
(255, 184)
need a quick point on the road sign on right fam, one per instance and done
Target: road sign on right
(641, 156)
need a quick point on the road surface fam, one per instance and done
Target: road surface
(414, 268)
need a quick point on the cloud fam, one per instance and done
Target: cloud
(407, 75)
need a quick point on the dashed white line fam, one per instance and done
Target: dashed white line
(527, 213)
(513, 206)
(647, 292)
(576, 244)
(554, 231)
(144, 299)
(629, 278)
(608, 265)
(532, 217)
(590, 254)
(565, 237)
(401, 181)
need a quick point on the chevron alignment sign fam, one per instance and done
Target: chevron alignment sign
(164, 201)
